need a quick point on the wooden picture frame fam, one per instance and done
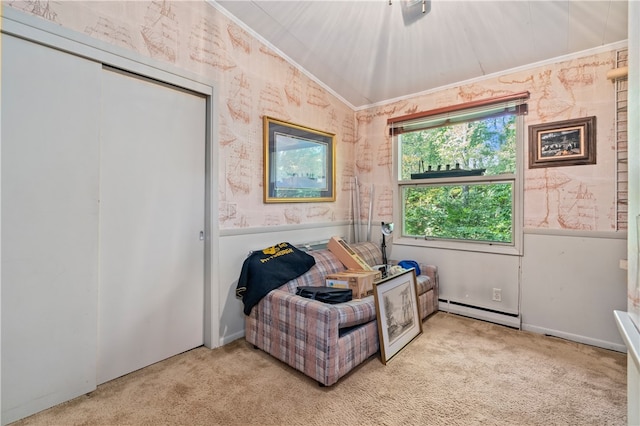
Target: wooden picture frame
(299, 163)
(563, 143)
(396, 300)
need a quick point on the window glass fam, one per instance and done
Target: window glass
(457, 180)
(478, 212)
(487, 144)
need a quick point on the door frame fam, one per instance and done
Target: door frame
(40, 31)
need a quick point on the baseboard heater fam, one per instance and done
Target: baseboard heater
(485, 314)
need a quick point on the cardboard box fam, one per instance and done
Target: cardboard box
(360, 282)
(377, 275)
(346, 255)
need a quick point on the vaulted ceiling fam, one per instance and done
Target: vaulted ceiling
(369, 52)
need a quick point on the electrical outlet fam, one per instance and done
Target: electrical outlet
(497, 295)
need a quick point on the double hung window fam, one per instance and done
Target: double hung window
(458, 172)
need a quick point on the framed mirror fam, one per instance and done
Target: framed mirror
(299, 163)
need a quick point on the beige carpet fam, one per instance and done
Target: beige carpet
(458, 372)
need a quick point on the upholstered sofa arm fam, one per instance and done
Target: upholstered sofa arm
(295, 315)
(282, 306)
(286, 322)
(432, 272)
(298, 331)
(355, 312)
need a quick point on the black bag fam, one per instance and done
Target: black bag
(326, 294)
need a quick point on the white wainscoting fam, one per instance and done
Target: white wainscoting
(566, 284)
(571, 284)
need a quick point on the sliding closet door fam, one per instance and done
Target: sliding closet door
(50, 105)
(151, 290)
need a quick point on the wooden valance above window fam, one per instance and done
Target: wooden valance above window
(509, 104)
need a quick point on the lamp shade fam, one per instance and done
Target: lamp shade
(387, 228)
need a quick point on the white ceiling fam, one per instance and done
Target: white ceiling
(368, 52)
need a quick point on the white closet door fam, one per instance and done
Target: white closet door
(50, 129)
(151, 288)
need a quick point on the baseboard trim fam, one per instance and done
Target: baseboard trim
(575, 338)
(509, 320)
(231, 337)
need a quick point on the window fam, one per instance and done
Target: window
(459, 172)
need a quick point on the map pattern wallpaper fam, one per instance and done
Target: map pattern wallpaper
(252, 81)
(569, 198)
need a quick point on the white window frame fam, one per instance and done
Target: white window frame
(514, 248)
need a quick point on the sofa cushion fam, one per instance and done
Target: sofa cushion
(355, 312)
(369, 252)
(424, 284)
(326, 263)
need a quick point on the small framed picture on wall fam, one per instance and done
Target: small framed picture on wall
(563, 143)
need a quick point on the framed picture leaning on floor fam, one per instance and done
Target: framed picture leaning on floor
(399, 322)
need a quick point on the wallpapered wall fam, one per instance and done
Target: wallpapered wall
(572, 198)
(252, 81)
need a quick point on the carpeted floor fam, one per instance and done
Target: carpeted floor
(458, 372)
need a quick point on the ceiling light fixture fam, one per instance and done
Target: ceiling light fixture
(412, 2)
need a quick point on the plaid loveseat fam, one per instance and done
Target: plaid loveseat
(325, 341)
